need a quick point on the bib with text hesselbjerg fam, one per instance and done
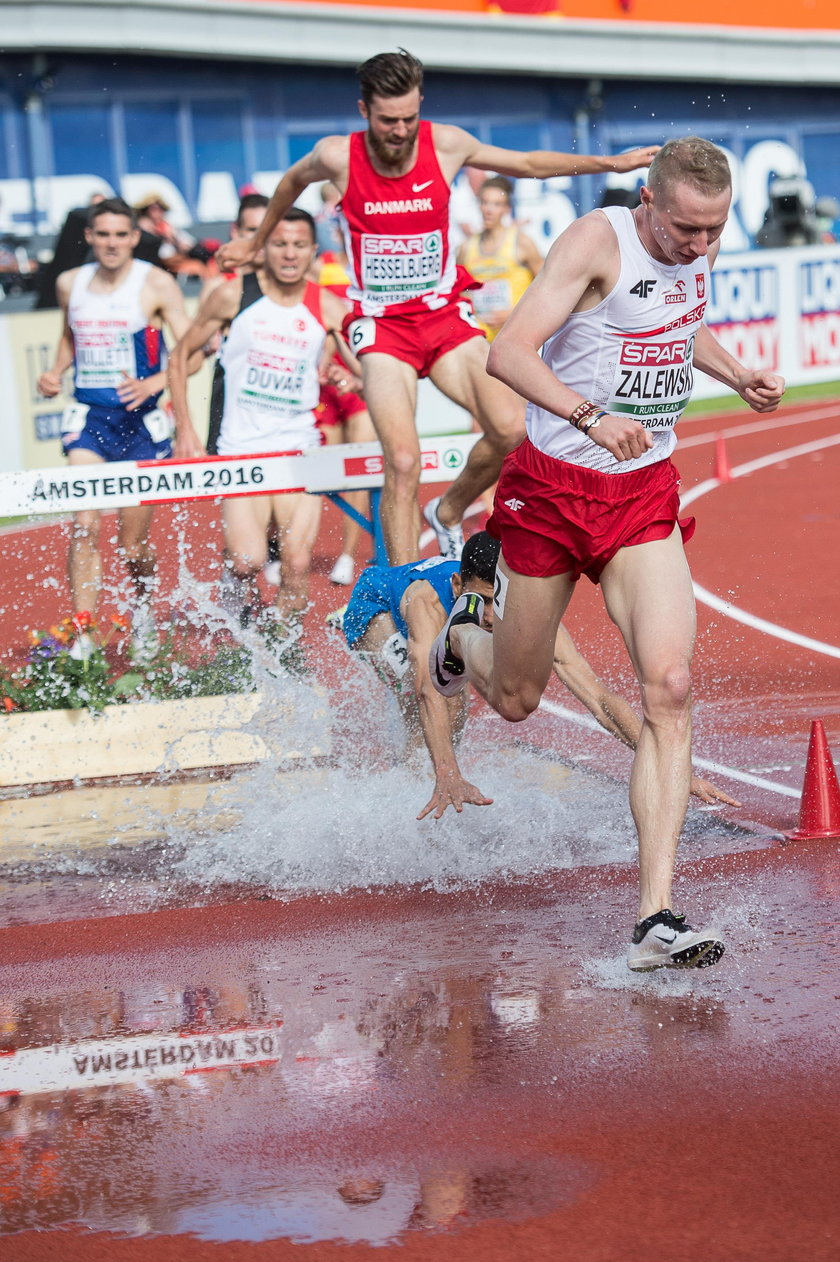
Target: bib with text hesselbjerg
(396, 231)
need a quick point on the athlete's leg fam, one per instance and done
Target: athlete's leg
(461, 374)
(648, 594)
(511, 666)
(390, 390)
(298, 518)
(136, 550)
(245, 524)
(84, 563)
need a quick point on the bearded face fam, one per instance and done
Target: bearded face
(393, 124)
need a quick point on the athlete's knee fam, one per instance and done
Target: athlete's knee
(403, 465)
(516, 702)
(503, 429)
(296, 562)
(84, 534)
(241, 565)
(667, 696)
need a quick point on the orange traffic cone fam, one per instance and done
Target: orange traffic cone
(819, 813)
(722, 471)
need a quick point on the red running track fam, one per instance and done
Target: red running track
(469, 1074)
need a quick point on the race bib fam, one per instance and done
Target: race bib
(494, 295)
(159, 424)
(74, 419)
(104, 358)
(273, 383)
(397, 268)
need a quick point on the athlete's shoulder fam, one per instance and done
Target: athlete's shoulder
(452, 140)
(332, 153)
(65, 281)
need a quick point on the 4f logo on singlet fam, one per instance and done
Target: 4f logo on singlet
(643, 288)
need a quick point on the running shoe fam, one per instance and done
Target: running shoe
(450, 538)
(447, 670)
(666, 941)
(342, 572)
(335, 620)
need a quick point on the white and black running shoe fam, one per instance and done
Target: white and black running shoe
(450, 539)
(447, 670)
(666, 941)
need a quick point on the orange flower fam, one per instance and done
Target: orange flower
(82, 621)
(119, 622)
(8, 704)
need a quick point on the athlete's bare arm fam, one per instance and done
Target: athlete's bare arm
(582, 267)
(456, 148)
(218, 309)
(762, 390)
(610, 709)
(49, 382)
(424, 617)
(327, 161)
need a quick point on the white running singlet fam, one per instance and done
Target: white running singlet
(632, 354)
(270, 360)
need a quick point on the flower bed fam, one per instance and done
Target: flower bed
(70, 714)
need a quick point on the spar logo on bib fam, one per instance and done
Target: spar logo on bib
(399, 267)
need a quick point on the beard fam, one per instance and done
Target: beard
(391, 155)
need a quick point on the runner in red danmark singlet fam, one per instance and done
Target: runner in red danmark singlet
(410, 318)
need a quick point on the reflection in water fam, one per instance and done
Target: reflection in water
(113, 1117)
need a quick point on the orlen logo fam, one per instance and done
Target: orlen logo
(653, 354)
(677, 294)
(392, 245)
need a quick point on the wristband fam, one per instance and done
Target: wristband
(581, 412)
(592, 424)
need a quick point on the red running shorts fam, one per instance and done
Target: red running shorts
(553, 517)
(334, 408)
(418, 338)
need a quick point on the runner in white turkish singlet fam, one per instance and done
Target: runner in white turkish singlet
(605, 338)
(277, 324)
(115, 309)
(410, 317)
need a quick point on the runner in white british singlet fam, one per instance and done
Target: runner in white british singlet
(115, 309)
(410, 317)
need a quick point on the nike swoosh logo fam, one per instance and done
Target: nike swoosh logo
(661, 938)
(418, 188)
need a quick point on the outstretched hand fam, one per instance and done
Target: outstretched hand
(708, 793)
(451, 789)
(635, 158)
(235, 254)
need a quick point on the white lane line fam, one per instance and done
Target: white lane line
(757, 427)
(732, 773)
(726, 607)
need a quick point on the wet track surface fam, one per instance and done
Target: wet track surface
(275, 1017)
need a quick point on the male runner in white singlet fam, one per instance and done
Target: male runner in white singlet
(114, 310)
(277, 323)
(605, 338)
(409, 316)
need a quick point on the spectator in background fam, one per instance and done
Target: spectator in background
(502, 257)
(180, 252)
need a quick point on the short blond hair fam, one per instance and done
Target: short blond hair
(690, 160)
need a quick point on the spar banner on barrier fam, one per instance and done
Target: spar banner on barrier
(128, 484)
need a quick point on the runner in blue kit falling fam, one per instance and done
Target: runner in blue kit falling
(393, 617)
